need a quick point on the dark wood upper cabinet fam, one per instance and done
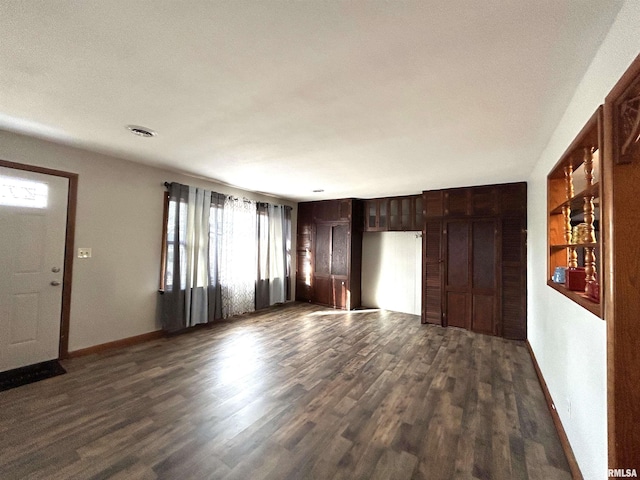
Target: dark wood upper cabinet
(512, 199)
(418, 212)
(332, 210)
(457, 202)
(433, 203)
(376, 214)
(394, 214)
(484, 201)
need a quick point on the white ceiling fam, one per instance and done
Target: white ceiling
(359, 98)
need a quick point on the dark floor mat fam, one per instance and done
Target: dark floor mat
(32, 373)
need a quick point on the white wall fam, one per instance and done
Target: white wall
(119, 216)
(568, 341)
(391, 271)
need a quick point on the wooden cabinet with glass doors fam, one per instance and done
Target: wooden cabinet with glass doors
(574, 193)
(394, 214)
(376, 215)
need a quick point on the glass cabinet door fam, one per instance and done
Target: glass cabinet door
(372, 214)
(382, 219)
(394, 214)
(418, 213)
(405, 214)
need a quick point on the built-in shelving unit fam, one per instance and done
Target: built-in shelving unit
(391, 214)
(574, 218)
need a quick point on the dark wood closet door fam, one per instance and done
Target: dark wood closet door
(457, 284)
(332, 257)
(484, 266)
(322, 270)
(340, 250)
(471, 285)
(340, 264)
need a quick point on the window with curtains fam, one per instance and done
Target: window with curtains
(222, 256)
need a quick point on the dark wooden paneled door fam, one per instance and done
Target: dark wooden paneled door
(457, 279)
(331, 272)
(485, 313)
(340, 264)
(471, 279)
(322, 268)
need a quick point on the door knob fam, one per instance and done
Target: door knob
(55, 283)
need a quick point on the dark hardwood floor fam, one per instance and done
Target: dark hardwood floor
(289, 393)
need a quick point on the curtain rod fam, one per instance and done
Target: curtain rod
(168, 185)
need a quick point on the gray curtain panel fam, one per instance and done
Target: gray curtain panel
(192, 292)
(215, 253)
(262, 239)
(173, 298)
(286, 230)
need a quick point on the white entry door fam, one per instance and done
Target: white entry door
(33, 214)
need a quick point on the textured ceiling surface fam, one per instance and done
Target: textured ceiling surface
(358, 98)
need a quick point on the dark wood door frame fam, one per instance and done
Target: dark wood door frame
(621, 180)
(72, 201)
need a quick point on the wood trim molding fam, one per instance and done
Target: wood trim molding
(72, 202)
(124, 342)
(564, 440)
(622, 304)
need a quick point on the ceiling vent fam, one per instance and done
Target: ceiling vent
(141, 131)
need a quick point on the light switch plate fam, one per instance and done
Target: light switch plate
(84, 253)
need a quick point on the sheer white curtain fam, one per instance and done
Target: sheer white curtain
(239, 256)
(274, 254)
